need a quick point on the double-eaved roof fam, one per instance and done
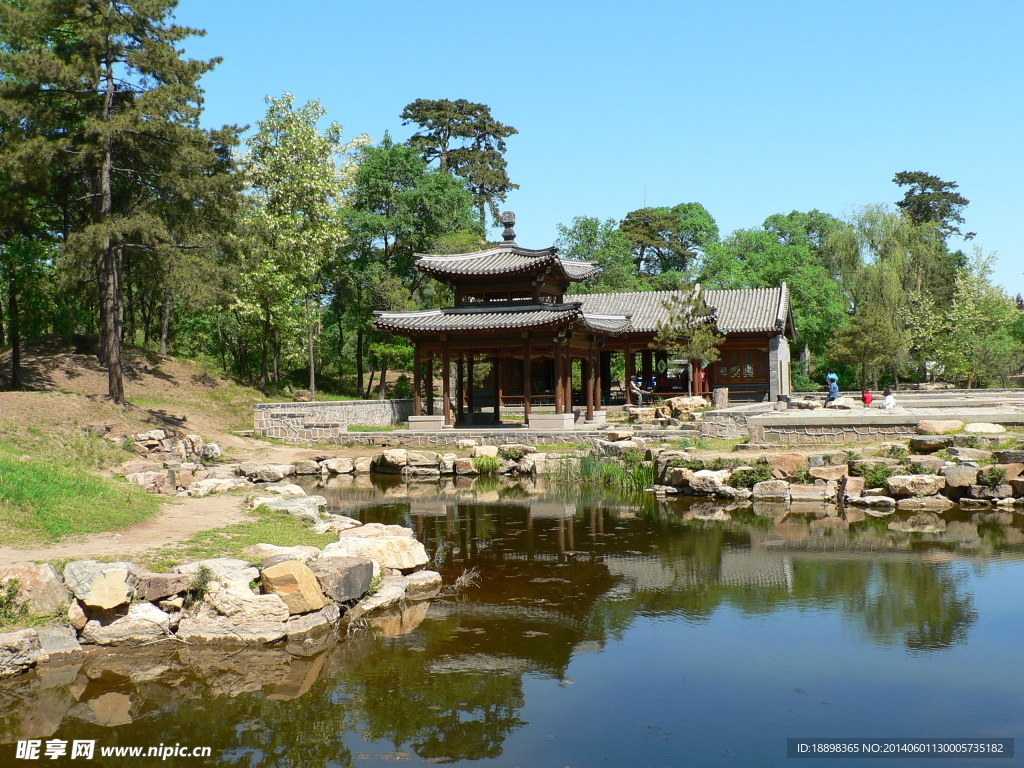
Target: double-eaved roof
(505, 317)
(506, 259)
(744, 310)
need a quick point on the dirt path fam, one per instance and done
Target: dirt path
(178, 520)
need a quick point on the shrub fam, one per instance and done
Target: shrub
(486, 465)
(199, 586)
(992, 476)
(875, 475)
(917, 468)
(747, 478)
(12, 609)
(513, 452)
(897, 452)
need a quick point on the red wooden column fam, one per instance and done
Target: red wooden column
(567, 379)
(587, 380)
(430, 385)
(598, 376)
(527, 380)
(446, 382)
(469, 386)
(461, 387)
(559, 381)
(417, 381)
(496, 375)
(630, 373)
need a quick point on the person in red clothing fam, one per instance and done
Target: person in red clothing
(867, 397)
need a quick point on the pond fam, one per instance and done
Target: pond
(600, 632)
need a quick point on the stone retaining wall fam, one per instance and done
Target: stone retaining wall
(449, 437)
(312, 422)
(829, 434)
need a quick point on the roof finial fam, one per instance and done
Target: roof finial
(508, 218)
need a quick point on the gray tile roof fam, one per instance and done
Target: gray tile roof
(455, 319)
(747, 310)
(503, 260)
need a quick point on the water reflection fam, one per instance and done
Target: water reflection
(562, 575)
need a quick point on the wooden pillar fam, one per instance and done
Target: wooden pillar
(461, 387)
(527, 380)
(430, 385)
(496, 375)
(469, 385)
(417, 381)
(567, 383)
(559, 380)
(604, 373)
(630, 373)
(598, 378)
(587, 382)
(446, 382)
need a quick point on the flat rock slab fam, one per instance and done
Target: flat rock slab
(236, 615)
(40, 587)
(227, 570)
(19, 651)
(423, 585)
(960, 476)
(101, 585)
(771, 490)
(1010, 457)
(924, 504)
(399, 552)
(315, 623)
(984, 428)
(343, 578)
(157, 586)
(390, 594)
(916, 485)
(938, 427)
(924, 522)
(57, 641)
(140, 623)
(930, 443)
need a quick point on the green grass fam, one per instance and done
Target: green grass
(748, 478)
(266, 527)
(487, 465)
(49, 489)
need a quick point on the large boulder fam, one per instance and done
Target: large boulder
(771, 490)
(399, 552)
(787, 466)
(916, 485)
(960, 475)
(685, 405)
(263, 552)
(970, 454)
(615, 449)
(428, 459)
(307, 509)
(56, 641)
(265, 473)
(708, 481)
(315, 623)
(343, 578)
(873, 502)
(339, 466)
(836, 472)
(235, 615)
(19, 651)
(806, 493)
(938, 426)
(1010, 457)
(930, 443)
(845, 403)
(391, 462)
(850, 487)
(296, 584)
(140, 623)
(485, 450)
(306, 467)
(40, 587)
(101, 585)
(390, 594)
(677, 476)
(422, 585)
(924, 504)
(377, 531)
(984, 428)
(157, 586)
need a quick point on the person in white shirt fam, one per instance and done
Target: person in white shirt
(889, 401)
(638, 393)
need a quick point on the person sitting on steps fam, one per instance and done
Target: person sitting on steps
(638, 394)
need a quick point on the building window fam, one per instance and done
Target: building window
(743, 365)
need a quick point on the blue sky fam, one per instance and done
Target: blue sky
(750, 108)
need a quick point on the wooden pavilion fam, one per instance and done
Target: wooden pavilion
(512, 311)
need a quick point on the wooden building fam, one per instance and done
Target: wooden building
(513, 311)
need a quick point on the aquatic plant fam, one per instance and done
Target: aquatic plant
(486, 465)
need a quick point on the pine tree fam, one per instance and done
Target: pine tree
(116, 112)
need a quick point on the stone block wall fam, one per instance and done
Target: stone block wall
(828, 433)
(723, 425)
(311, 422)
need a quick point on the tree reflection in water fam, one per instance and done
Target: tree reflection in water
(559, 575)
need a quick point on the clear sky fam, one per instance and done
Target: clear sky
(750, 108)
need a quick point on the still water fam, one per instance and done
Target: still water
(601, 633)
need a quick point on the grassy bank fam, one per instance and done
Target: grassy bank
(49, 487)
(266, 526)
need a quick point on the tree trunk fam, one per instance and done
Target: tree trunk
(359, 360)
(312, 356)
(264, 354)
(165, 330)
(109, 257)
(383, 379)
(14, 328)
(366, 395)
(277, 361)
